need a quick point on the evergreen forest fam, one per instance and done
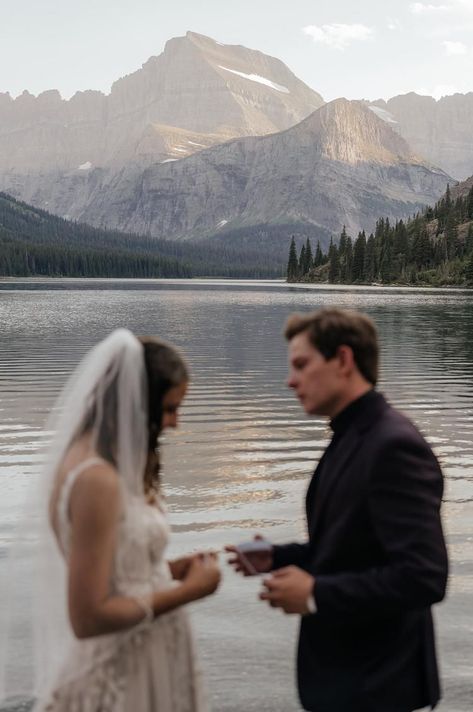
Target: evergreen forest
(35, 243)
(433, 248)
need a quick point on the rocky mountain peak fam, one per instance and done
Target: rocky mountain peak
(348, 131)
(196, 93)
(227, 88)
(462, 189)
(439, 130)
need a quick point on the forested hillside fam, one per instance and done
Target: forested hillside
(433, 248)
(34, 242)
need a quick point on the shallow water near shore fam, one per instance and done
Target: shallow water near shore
(243, 455)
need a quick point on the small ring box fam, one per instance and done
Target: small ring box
(247, 548)
(258, 546)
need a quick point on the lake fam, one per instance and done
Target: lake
(243, 455)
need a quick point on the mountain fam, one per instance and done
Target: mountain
(195, 94)
(440, 131)
(462, 189)
(341, 165)
(212, 141)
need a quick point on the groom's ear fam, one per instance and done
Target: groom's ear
(346, 360)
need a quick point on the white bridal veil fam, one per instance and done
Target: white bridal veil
(106, 396)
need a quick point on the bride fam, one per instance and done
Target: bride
(130, 646)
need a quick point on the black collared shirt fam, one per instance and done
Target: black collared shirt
(341, 422)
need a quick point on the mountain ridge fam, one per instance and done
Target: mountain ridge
(183, 87)
(142, 158)
(321, 173)
(441, 130)
(92, 126)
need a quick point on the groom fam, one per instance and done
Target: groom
(374, 561)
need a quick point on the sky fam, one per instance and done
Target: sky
(367, 49)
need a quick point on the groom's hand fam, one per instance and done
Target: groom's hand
(256, 561)
(289, 588)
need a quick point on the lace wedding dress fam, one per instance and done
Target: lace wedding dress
(149, 668)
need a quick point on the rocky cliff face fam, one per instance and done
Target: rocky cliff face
(195, 94)
(440, 131)
(341, 165)
(462, 189)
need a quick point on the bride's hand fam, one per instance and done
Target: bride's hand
(202, 577)
(180, 567)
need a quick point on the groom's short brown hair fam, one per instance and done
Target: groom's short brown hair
(330, 328)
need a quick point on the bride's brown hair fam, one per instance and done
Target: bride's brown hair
(165, 369)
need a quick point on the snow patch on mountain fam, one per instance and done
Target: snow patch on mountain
(383, 114)
(257, 78)
(85, 166)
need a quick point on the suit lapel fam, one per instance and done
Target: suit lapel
(333, 466)
(312, 488)
(333, 472)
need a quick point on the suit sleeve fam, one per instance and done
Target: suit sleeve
(403, 505)
(291, 555)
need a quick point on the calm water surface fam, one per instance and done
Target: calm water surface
(245, 451)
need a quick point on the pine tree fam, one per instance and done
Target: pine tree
(448, 199)
(379, 239)
(358, 271)
(334, 263)
(469, 204)
(308, 257)
(302, 262)
(379, 230)
(370, 268)
(400, 248)
(319, 258)
(451, 236)
(469, 240)
(342, 256)
(460, 210)
(422, 250)
(386, 271)
(292, 264)
(342, 243)
(469, 270)
(348, 266)
(443, 208)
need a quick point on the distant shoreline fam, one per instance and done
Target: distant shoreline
(10, 282)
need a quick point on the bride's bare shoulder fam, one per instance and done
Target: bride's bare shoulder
(96, 489)
(91, 471)
(98, 477)
(95, 503)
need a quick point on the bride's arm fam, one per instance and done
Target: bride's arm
(94, 513)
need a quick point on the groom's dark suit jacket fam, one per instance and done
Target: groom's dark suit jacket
(378, 555)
